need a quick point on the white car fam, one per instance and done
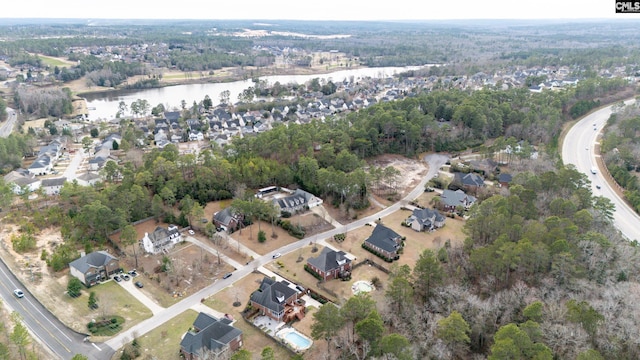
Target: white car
(18, 293)
(191, 232)
(276, 255)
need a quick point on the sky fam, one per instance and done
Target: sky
(307, 10)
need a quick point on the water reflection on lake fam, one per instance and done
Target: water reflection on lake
(105, 105)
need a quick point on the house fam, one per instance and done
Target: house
(210, 336)
(94, 267)
(53, 186)
(161, 239)
(425, 219)
(22, 181)
(384, 241)
(274, 298)
(505, 179)
(450, 200)
(299, 200)
(469, 181)
(88, 179)
(42, 165)
(227, 219)
(330, 264)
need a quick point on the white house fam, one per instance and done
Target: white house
(53, 186)
(161, 239)
(88, 179)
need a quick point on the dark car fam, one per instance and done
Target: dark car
(139, 284)
(117, 278)
(133, 273)
(227, 275)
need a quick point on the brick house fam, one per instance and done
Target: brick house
(210, 337)
(274, 298)
(94, 267)
(330, 264)
(384, 241)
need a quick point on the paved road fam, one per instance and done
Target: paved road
(583, 137)
(7, 127)
(435, 161)
(61, 341)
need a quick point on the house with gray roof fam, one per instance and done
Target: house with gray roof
(94, 267)
(227, 219)
(384, 241)
(22, 181)
(425, 219)
(53, 186)
(299, 200)
(450, 199)
(210, 336)
(330, 264)
(470, 181)
(273, 297)
(161, 239)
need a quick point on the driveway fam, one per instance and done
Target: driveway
(141, 296)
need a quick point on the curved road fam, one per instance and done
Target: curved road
(7, 127)
(57, 338)
(578, 149)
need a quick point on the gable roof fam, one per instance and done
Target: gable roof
(329, 260)
(455, 198)
(53, 181)
(95, 259)
(469, 179)
(272, 294)
(384, 238)
(224, 216)
(214, 334)
(425, 216)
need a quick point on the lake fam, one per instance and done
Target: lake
(105, 105)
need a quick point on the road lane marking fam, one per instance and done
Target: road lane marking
(54, 325)
(96, 346)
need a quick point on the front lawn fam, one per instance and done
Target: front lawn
(163, 343)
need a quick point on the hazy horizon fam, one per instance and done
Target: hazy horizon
(329, 10)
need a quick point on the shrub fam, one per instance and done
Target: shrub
(262, 236)
(73, 287)
(310, 271)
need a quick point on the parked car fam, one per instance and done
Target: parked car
(133, 273)
(125, 277)
(598, 187)
(117, 278)
(18, 293)
(139, 284)
(227, 275)
(191, 232)
(276, 255)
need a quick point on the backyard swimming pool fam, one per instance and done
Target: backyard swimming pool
(362, 286)
(295, 339)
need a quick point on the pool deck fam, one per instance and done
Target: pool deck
(266, 323)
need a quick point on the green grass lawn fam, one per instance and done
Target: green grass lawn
(52, 62)
(112, 300)
(164, 342)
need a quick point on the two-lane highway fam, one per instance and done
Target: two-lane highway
(61, 341)
(7, 127)
(578, 148)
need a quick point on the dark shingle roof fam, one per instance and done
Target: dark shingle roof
(329, 259)
(272, 294)
(95, 259)
(213, 335)
(384, 238)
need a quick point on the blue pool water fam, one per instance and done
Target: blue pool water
(300, 341)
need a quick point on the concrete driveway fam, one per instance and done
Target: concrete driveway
(140, 295)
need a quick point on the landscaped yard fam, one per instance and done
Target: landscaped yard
(163, 343)
(254, 339)
(112, 300)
